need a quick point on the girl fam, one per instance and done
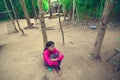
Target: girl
(52, 56)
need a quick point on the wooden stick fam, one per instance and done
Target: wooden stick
(117, 52)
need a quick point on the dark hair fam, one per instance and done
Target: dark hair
(48, 44)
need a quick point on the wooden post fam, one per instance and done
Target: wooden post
(60, 23)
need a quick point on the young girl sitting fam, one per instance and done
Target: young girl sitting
(52, 56)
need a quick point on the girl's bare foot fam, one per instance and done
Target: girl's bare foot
(60, 73)
(54, 71)
(57, 73)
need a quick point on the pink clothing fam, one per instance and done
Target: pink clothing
(47, 55)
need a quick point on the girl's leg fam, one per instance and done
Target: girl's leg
(59, 63)
(46, 65)
(57, 68)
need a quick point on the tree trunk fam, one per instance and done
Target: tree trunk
(65, 13)
(73, 15)
(50, 10)
(16, 13)
(16, 17)
(101, 8)
(10, 16)
(100, 36)
(70, 14)
(60, 23)
(23, 5)
(77, 14)
(34, 8)
(42, 21)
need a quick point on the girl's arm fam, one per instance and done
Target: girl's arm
(54, 59)
(46, 53)
(61, 56)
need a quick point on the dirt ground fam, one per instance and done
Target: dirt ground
(21, 56)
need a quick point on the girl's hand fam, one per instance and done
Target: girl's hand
(60, 54)
(53, 59)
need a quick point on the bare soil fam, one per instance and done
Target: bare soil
(21, 56)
